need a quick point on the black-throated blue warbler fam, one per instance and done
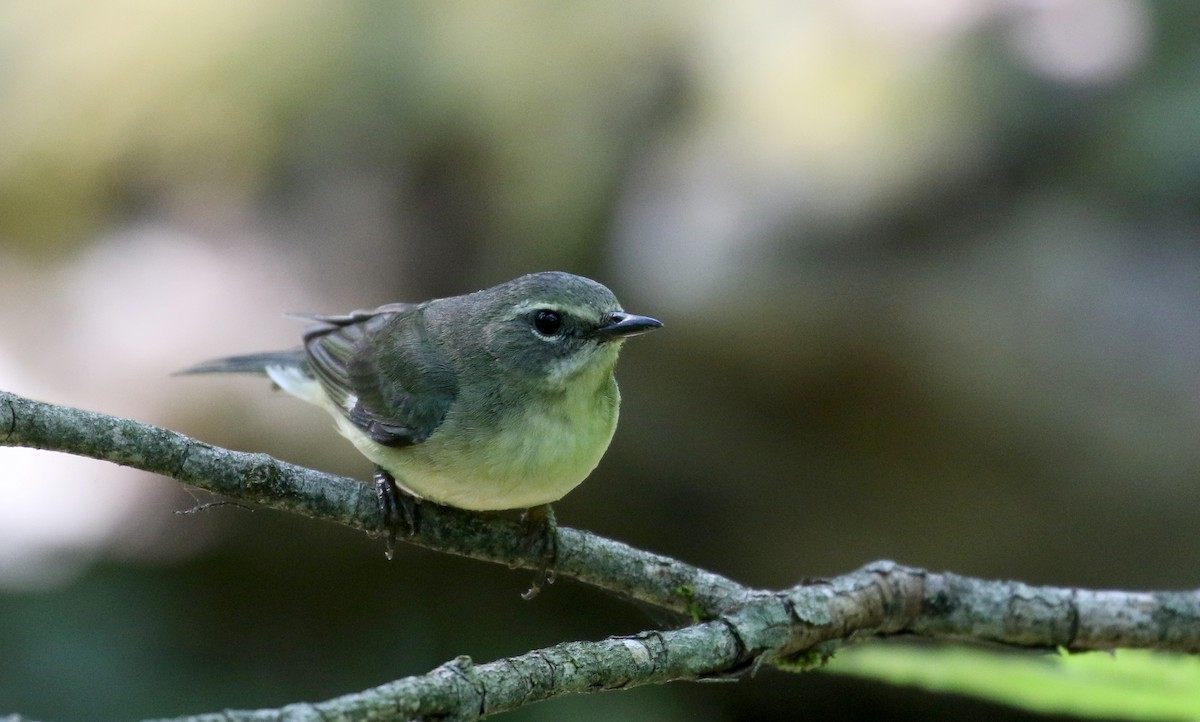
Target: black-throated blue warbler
(499, 399)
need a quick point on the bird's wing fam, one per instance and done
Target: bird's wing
(382, 371)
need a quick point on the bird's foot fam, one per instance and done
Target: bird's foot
(541, 540)
(400, 510)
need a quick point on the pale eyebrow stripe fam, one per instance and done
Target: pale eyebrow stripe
(571, 310)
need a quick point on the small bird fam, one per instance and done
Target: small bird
(499, 399)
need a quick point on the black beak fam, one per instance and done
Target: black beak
(624, 325)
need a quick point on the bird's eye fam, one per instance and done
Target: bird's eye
(547, 322)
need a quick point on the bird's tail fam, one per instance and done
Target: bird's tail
(254, 363)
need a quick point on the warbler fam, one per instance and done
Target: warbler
(499, 399)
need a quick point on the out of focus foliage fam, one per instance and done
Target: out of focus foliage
(1127, 684)
(928, 272)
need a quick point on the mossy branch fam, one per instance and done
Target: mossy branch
(735, 628)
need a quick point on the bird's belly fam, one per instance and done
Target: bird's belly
(534, 459)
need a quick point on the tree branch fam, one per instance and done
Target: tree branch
(263, 480)
(735, 628)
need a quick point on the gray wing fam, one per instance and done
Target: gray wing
(383, 371)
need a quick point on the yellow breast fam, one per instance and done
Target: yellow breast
(535, 457)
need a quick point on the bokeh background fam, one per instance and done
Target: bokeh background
(930, 273)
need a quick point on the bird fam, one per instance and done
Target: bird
(500, 399)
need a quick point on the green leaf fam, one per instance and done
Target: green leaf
(1132, 684)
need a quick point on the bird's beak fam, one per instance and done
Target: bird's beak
(624, 325)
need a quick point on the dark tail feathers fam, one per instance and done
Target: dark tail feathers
(254, 363)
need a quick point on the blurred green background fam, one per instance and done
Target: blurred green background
(930, 273)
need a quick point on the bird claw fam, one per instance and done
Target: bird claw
(541, 540)
(400, 510)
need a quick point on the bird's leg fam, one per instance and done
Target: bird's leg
(398, 507)
(541, 539)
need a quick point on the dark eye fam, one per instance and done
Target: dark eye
(547, 322)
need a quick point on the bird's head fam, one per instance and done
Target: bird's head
(552, 328)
